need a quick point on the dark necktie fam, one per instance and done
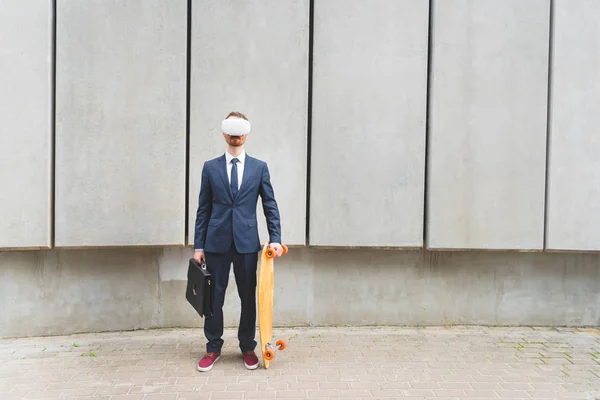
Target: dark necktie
(234, 177)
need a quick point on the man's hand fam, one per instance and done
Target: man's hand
(277, 247)
(199, 256)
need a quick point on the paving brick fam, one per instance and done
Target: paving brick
(455, 385)
(273, 386)
(332, 385)
(145, 389)
(15, 395)
(88, 377)
(487, 378)
(387, 393)
(78, 392)
(395, 385)
(512, 394)
(114, 391)
(31, 386)
(323, 393)
(490, 394)
(541, 394)
(555, 387)
(458, 378)
(365, 385)
(418, 392)
(162, 396)
(449, 393)
(355, 393)
(291, 394)
(227, 395)
(43, 394)
(259, 394)
(486, 385)
(516, 386)
(178, 388)
(148, 374)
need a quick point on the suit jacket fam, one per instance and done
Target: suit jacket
(221, 218)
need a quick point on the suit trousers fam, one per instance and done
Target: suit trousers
(244, 269)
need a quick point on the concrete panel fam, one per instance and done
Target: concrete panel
(25, 123)
(487, 128)
(368, 123)
(424, 288)
(63, 292)
(120, 129)
(252, 57)
(574, 165)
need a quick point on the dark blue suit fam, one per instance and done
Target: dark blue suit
(226, 229)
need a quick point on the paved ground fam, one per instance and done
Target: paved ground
(369, 363)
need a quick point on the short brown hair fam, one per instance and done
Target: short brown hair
(236, 114)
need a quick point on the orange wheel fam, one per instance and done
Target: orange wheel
(269, 355)
(270, 253)
(281, 344)
(285, 249)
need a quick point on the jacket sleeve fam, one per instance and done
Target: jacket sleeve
(204, 210)
(270, 206)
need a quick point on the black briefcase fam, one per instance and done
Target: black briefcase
(200, 288)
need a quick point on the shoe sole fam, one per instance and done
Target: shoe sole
(250, 366)
(209, 367)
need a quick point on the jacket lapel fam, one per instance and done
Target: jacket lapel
(248, 171)
(223, 173)
(248, 174)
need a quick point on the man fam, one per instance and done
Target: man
(226, 232)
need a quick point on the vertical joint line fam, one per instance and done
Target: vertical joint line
(427, 118)
(187, 120)
(548, 121)
(309, 117)
(53, 130)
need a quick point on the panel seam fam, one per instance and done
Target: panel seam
(52, 208)
(187, 122)
(427, 127)
(309, 119)
(548, 122)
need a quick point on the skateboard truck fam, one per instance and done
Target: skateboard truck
(270, 253)
(270, 350)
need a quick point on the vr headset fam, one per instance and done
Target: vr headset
(235, 126)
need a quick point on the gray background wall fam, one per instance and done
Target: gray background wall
(441, 162)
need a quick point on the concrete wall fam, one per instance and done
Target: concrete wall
(120, 123)
(62, 291)
(574, 162)
(414, 123)
(487, 124)
(25, 123)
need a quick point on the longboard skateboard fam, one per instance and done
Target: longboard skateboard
(265, 305)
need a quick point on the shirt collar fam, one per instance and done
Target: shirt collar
(241, 157)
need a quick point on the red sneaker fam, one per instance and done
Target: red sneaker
(208, 361)
(250, 360)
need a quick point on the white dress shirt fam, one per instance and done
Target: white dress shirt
(240, 166)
